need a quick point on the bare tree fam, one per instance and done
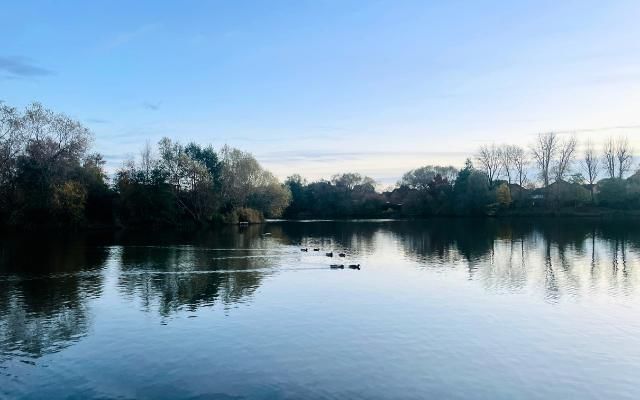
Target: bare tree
(171, 161)
(544, 151)
(10, 141)
(507, 154)
(146, 161)
(609, 157)
(591, 165)
(52, 136)
(566, 154)
(490, 157)
(624, 155)
(520, 164)
(9, 122)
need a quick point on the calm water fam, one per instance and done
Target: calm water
(443, 309)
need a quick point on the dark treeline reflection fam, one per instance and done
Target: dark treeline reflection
(48, 283)
(45, 282)
(467, 238)
(559, 255)
(193, 270)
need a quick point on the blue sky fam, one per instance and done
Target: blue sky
(319, 87)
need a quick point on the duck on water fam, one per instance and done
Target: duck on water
(341, 266)
(334, 266)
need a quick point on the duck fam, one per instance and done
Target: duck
(342, 255)
(336, 266)
(329, 254)
(316, 249)
(354, 266)
(305, 249)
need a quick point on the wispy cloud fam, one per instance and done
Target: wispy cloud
(323, 156)
(272, 139)
(153, 106)
(386, 167)
(22, 67)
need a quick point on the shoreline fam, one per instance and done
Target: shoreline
(565, 214)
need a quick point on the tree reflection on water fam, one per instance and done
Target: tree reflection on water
(47, 283)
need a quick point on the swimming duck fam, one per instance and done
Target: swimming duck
(336, 266)
(329, 254)
(316, 249)
(304, 249)
(342, 255)
(354, 266)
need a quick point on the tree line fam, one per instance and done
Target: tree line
(555, 159)
(50, 177)
(547, 177)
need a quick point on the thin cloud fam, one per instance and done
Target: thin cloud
(323, 156)
(272, 139)
(22, 67)
(152, 106)
(599, 129)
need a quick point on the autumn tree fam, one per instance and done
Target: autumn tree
(503, 195)
(42, 152)
(246, 184)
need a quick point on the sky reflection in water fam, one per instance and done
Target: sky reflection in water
(441, 308)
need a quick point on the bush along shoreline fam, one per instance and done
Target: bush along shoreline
(50, 179)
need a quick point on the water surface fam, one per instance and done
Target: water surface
(448, 309)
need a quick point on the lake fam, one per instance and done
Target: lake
(443, 309)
